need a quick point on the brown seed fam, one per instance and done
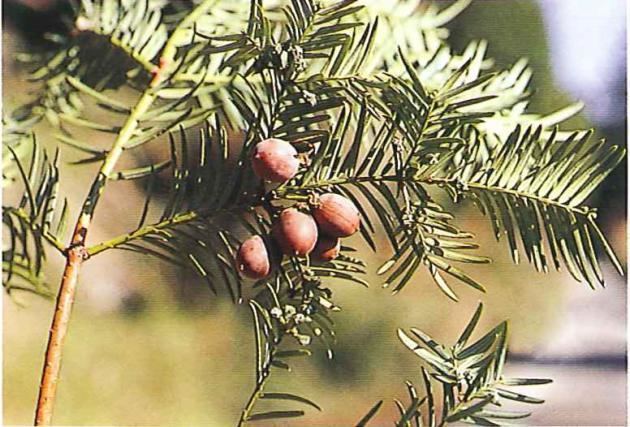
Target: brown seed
(327, 248)
(252, 259)
(275, 160)
(336, 215)
(295, 232)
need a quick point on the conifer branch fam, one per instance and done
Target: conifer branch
(376, 119)
(51, 238)
(470, 377)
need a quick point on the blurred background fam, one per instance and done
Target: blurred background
(149, 345)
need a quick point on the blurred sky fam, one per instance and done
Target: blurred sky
(587, 50)
(587, 43)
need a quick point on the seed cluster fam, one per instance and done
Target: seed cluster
(295, 233)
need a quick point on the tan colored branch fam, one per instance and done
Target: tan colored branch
(76, 253)
(57, 335)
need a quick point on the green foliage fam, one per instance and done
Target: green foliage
(33, 223)
(469, 378)
(535, 184)
(128, 34)
(385, 117)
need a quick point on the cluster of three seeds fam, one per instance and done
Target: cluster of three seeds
(295, 233)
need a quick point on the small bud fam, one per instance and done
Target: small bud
(310, 97)
(289, 310)
(303, 339)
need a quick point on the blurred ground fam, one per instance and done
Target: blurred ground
(167, 366)
(150, 346)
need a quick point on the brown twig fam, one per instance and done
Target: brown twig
(58, 330)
